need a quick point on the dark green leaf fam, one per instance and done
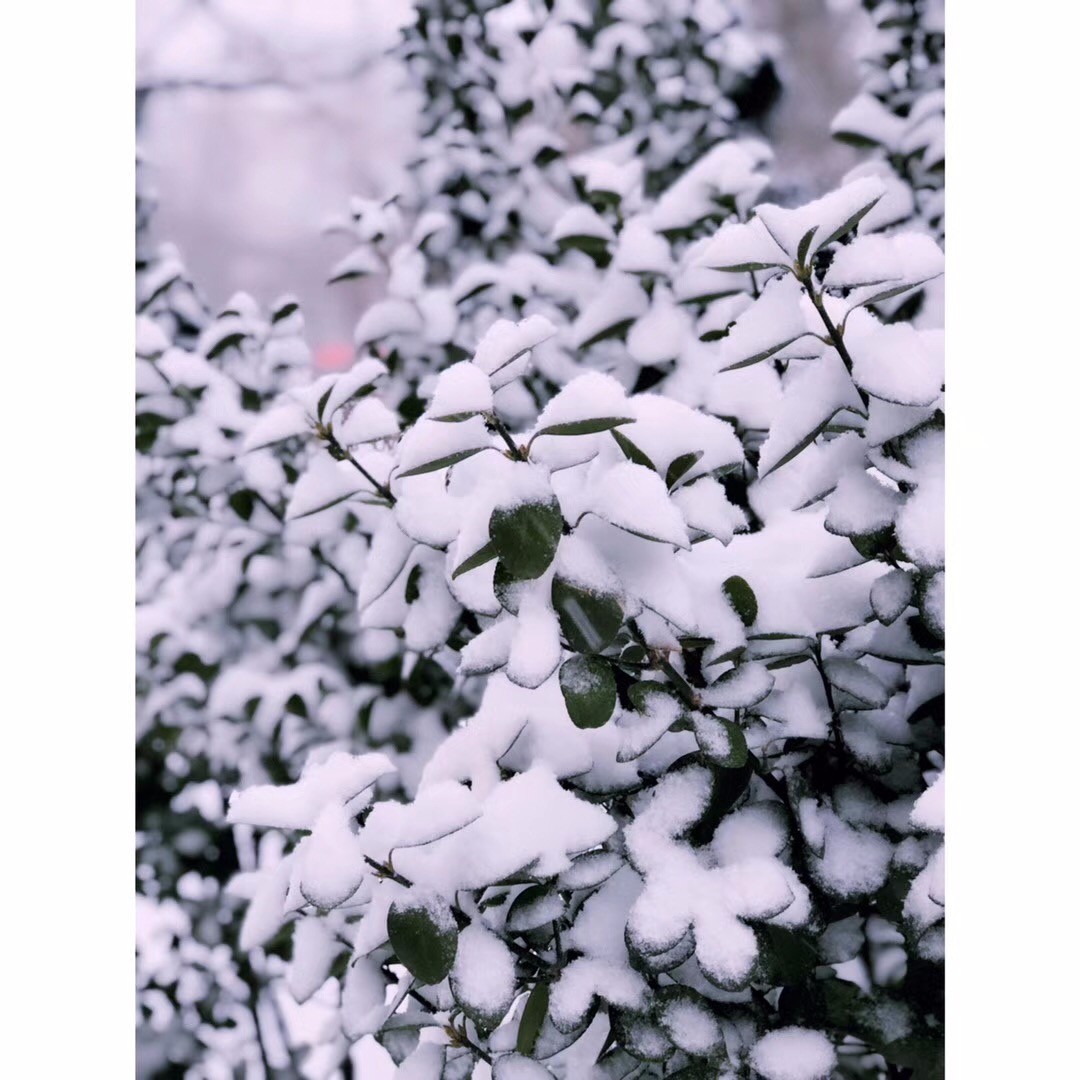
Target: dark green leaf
(284, 311)
(412, 585)
(790, 956)
(747, 267)
(443, 462)
(742, 599)
(424, 939)
(320, 408)
(477, 558)
(224, 343)
(589, 620)
(804, 442)
(772, 350)
(585, 427)
(681, 466)
(588, 688)
(526, 537)
(532, 1016)
(507, 589)
(722, 741)
(804, 245)
(849, 224)
(243, 502)
(615, 330)
(632, 450)
(728, 788)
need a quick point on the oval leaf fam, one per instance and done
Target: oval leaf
(526, 537)
(588, 688)
(742, 599)
(424, 937)
(589, 620)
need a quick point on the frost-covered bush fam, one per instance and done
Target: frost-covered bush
(249, 651)
(900, 110)
(537, 113)
(693, 824)
(558, 690)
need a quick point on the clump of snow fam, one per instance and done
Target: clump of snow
(463, 389)
(774, 321)
(341, 779)
(483, 972)
(506, 342)
(929, 810)
(855, 861)
(794, 1053)
(634, 498)
(896, 362)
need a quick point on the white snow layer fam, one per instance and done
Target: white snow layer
(793, 1053)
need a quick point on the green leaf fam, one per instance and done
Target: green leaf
(632, 450)
(742, 687)
(805, 441)
(640, 693)
(746, 267)
(890, 291)
(589, 620)
(742, 599)
(443, 462)
(924, 1054)
(585, 427)
(722, 741)
(849, 224)
(526, 537)
(507, 589)
(728, 788)
(412, 585)
(477, 558)
(229, 340)
(284, 311)
(591, 245)
(763, 355)
(321, 407)
(424, 939)
(457, 417)
(681, 466)
(791, 957)
(614, 330)
(588, 688)
(243, 502)
(532, 1017)
(804, 245)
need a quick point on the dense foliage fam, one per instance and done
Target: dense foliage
(572, 665)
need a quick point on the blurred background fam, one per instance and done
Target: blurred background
(259, 119)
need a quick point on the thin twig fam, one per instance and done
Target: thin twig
(495, 423)
(339, 452)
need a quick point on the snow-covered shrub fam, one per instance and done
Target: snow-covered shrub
(900, 109)
(694, 823)
(537, 113)
(249, 649)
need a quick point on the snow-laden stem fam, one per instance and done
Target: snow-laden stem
(339, 452)
(459, 1037)
(836, 338)
(682, 687)
(834, 713)
(323, 560)
(497, 425)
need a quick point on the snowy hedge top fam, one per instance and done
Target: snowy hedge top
(710, 684)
